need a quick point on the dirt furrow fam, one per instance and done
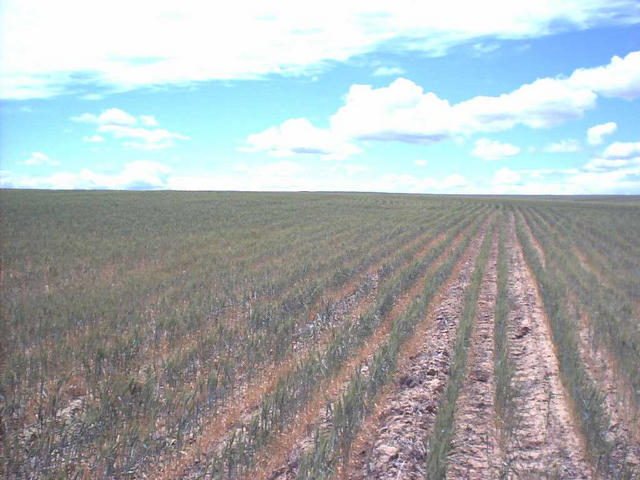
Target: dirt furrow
(534, 241)
(618, 399)
(589, 267)
(475, 453)
(283, 464)
(543, 441)
(247, 398)
(393, 441)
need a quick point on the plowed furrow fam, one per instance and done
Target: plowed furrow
(284, 465)
(534, 241)
(393, 442)
(348, 305)
(544, 440)
(475, 453)
(618, 403)
(242, 413)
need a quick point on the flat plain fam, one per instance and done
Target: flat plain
(315, 336)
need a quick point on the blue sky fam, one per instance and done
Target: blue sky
(467, 97)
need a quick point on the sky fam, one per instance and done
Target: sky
(405, 96)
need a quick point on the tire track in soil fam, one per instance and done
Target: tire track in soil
(247, 397)
(392, 442)
(475, 451)
(544, 441)
(282, 458)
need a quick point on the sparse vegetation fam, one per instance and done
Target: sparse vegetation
(186, 334)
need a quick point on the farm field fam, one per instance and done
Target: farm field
(317, 336)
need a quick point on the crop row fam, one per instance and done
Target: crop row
(331, 445)
(131, 407)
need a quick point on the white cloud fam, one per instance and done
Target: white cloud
(622, 181)
(148, 120)
(278, 169)
(454, 181)
(623, 177)
(287, 37)
(400, 112)
(603, 164)
(38, 158)
(413, 184)
(546, 102)
(404, 112)
(494, 150)
(123, 126)
(349, 169)
(622, 150)
(484, 48)
(564, 146)
(93, 139)
(421, 163)
(299, 136)
(506, 176)
(387, 71)
(620, 78)
(596, 133)
(139, 175)
(111, 116)
(146, 139)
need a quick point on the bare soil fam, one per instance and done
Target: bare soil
(393, 441)
(534, 241)
(241, 407)
(475, 450)
(286, 467)
(544, 441)
(618, 400)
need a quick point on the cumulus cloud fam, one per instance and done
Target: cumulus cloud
(287, 38)
(596, 134)
(506, 176)
(564, 146)
(136, 132)
(387, 71)
(146, 139)
(404, 112)
(621, 181)
(299, 136)
(622, 150)
(93, 139)
(603, 164)
(619, 79)
(546, 102)
(113, 116)
(138, 175)
(454, 181)
(38, 158)
(494, 150)
(350, 169)
(401, 112)
(148, 121)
